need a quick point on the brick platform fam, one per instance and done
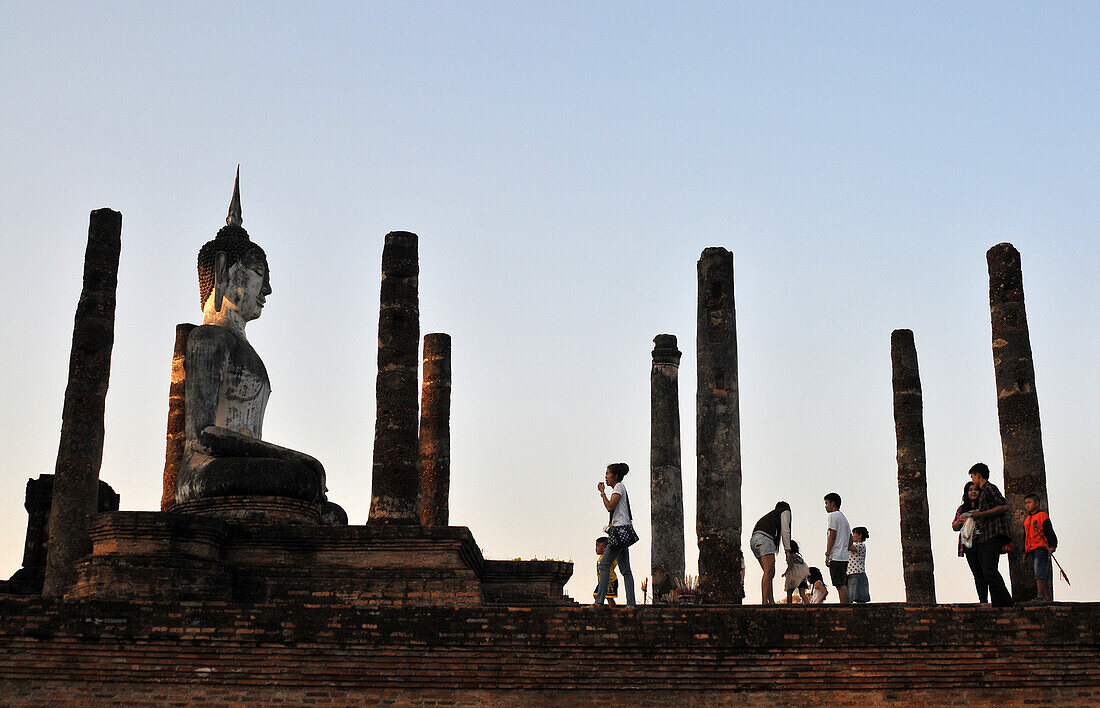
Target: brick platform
(147, 555)
(92, 652)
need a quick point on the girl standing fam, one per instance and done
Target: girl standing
(858, 588)
(968, 506)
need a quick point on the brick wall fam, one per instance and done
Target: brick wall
(91, 652)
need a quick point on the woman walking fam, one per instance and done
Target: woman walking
(618, 506)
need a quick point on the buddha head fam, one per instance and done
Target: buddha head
(234, 268)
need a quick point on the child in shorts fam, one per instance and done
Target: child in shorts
(1040, 542)
(613, 584)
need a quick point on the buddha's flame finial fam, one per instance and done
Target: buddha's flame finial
(235, 218)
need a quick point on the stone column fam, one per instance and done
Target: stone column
(395, 485)
(665, 483)
(80, 452)
(435, 431)
(916, 538)
(718, 433)
(1017, 405)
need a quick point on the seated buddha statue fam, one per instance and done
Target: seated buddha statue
(226, 386)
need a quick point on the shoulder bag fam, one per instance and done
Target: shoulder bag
(623, 536)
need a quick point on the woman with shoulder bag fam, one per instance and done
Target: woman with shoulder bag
(620, 531)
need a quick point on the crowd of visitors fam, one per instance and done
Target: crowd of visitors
(845, 557)
(982, 521)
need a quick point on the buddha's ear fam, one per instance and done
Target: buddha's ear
(221, 277)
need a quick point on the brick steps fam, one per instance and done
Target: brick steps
(328, 653)
(455, 667)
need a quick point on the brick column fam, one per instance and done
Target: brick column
(80, 453)
(435, 431)
(177, 419)
(665, 482)
(1017, 405)
(395, 485)
(718, 433)
(916, 538)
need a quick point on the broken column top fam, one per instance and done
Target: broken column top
(1006, 282)
(901, 335)
(399, 255)
(715, 252)
(1002, 250)
(664, 349)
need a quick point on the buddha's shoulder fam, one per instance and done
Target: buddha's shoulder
(211, 337)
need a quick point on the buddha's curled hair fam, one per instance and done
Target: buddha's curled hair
(233, 241)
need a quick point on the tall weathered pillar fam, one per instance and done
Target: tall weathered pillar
(395, 486)
(665, 483)
(718, 432)
(1017, 404)
(80, 453)
(435, 431)
(916, 538)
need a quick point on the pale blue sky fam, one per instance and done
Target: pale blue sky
(564, 164)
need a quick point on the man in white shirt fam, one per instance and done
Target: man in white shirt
(836, 548)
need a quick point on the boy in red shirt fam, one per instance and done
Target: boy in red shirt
(1040, 541)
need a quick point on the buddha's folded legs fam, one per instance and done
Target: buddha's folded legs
(250, 476)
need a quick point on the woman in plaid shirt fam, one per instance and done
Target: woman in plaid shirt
(992, 520)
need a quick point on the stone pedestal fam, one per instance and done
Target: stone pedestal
(148, 555)
(526, 582)
(254, 510)
(198, 556)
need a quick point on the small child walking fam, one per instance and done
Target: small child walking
(858, 588)
(794, 577)
(1040, 542)
(613, 584)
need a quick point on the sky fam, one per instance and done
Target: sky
(564, 165)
